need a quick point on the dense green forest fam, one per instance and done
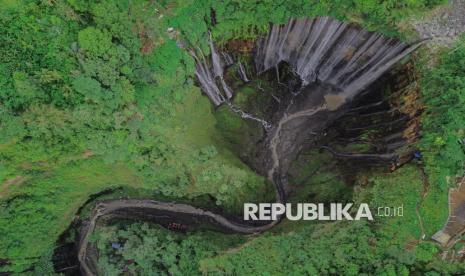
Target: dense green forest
(98, 95)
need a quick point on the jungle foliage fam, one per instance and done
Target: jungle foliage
(84, 90)
(145, 249)
(97, 95)
(444, 122)
(390, 246)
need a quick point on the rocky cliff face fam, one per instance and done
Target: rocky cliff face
(335, 62)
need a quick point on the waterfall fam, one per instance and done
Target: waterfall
(318, 49)
(208, 77)
(216, 60)
(228, 60)
(207, 81)
(325, 50)
(335, 61)
(209, 84)
(242, 73)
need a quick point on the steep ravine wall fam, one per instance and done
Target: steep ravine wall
(336, 61)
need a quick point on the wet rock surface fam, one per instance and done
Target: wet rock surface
(336, 62)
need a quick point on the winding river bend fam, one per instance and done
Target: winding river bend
(335, 62)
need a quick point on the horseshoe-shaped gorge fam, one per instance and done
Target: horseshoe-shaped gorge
(329, 67)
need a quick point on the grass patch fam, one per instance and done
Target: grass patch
(26, 217)
(402, 188)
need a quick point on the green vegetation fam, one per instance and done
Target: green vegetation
(403, 188)
(316, 178)
(390, 246)
(335, 248)
(96, 95)
(41, 208)
(443, 144)
(87, 87)
(151, 250)
(244, 18)
(444, 124)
